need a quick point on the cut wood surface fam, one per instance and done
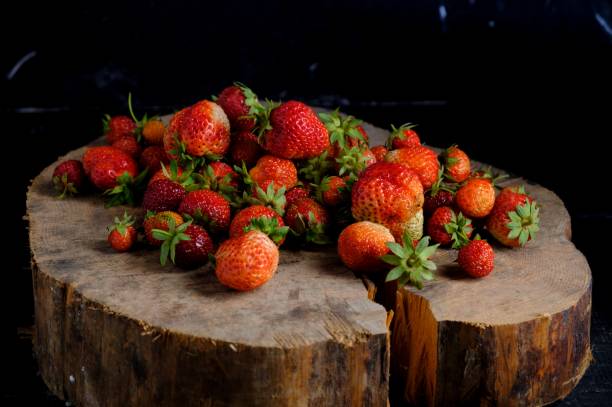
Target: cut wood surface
(119, 329)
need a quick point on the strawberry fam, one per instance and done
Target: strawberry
(344, 132)
(122, 233)
(414, 226)
(441, 198)
(118, 126)
(207, 208)
(379, 152)
(129, 145)
(161, 221)
(403, 137)
(273, 169)
(153, 132)
(412, 261)
(245, 148)
(421, 159)
(296, 193)
(477, 258)
(187, 245)
(246, 262)
(389, 194)
(163, 195)
(488, 174)
(240, 105)
(174, 173)
(104, 173)
(197, 131)
(445, 227)
(456, 164)
(476, 198)
(361, 244)
(68, 177)
(152, 158)
(262, 218)
(308, 218)
(514, 219)
(332, 190)
(94, 155)
(294, 132)
(222, 171)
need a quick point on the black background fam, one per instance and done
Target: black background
(524, 85)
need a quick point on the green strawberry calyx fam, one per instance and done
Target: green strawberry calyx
(270, 227)
(412, 262)
(140, 123)
(121, 224)
(207, 179)
(524, 222)
(127, 190)
(312, 229)
(340, 128)
(487, 173)
(171, 237)
(262, 119)
(250, 99)
(398, 133)
(441, 184)
(272, 198)
(64, 187)
(352, 161)
(316, 168)
(459, 228)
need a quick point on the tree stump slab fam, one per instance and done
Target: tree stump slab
(118, 329)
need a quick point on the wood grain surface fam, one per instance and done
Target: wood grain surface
(119, 329)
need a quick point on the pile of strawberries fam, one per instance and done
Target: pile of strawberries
(229, 181)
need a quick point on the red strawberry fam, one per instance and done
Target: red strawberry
(207, 208)
(222, 170)
(433, 202)
(118, 126)
(94, 155)
(445, 227)
(296, 193)
(245, 148)
(129, 145)
(152, 158)
(477, 258)
(163, 195)
(187, 245)
(332, 190)
(389, 194)
(476, 198)
(514, 219)
(122, 233)
(403, 137)
(361, 244)
(456, 164)
(172, 172)
(307, 217)
(153, 132)
(262, 218)
(273, 169)
(345, 132)
(379, 152)
(161, 221)
(296, 132)
(200, 130)
(421, 159)
(105, 173)
(240, 105)
(68, 177)
(246, 262)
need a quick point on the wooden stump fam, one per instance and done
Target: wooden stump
(118, 329)
(517, 337)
